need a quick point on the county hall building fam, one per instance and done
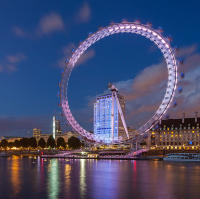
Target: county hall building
(176, 135)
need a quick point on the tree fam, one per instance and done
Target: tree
(42, 143)
(51, 142)
(10, 144)
(74, 143)
(61, 142)
(17, 143)
(32, 142)
(24, 142)
(4, 143)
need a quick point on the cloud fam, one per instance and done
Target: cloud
(19, 32)
(50, 23)
(16, 58)
(84, 13)
(88, 54)
(9, 64)
(1, 68)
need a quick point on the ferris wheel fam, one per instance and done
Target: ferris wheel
(135, 27)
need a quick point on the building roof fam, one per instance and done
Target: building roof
(178, 122)
(110, 95)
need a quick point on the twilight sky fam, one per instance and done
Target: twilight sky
(36, 38)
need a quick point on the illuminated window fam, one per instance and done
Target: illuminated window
(168, 129)
(172, 136)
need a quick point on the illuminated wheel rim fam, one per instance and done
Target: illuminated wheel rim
(124, 27)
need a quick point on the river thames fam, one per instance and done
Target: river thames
(33, 177)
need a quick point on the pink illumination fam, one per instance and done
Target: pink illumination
(156, 38)
(163, 41)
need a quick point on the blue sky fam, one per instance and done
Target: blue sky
(36, 38)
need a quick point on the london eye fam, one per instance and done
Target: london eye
(146, 30)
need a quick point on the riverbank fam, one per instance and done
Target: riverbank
(106, 158)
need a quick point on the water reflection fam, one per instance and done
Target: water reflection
(67, 177)
(82, 178)
(74, 179)
(53, 179)
(15, 175)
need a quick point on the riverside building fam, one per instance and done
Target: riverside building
(36, 133)
(102, 117)
(176, 134)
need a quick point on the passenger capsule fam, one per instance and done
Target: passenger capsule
(100, 28)
(176, 48)
(89, 34)
(58, 93)
(137, 20)
(62, 71)
(170, 38)
(59, 83)
(157, 126)
(72, 50)
(180, 89)
(175, 104)
(66, 61)
(181, 61)
(59, 104)
(160, 29)
(149, 23)
(124, 20)
(167, 116)
(182, 75)
(112, 22)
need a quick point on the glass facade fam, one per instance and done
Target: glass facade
(102, 117)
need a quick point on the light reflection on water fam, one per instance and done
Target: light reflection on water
(23, 177)
(82, 178)
(53, 179)
(15, 175)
